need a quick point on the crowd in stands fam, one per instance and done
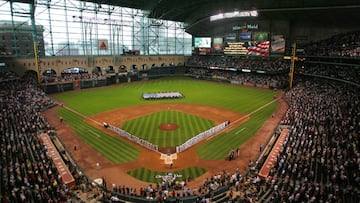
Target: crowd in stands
(252, 63)
(336, 71)
(7, 75)
(273, 81)
(320, 159)
(72, 77)
(341, 45)
(27, 173)
(232, 69)
(222, 180)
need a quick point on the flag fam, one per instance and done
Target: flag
(260, 49)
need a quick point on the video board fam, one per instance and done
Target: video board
(249, 43)
(244, 37)
(278, 44)
(202, 42)
(218, 43)
(254, 43)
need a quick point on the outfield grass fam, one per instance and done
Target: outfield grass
(219, 146)
(240, 99)
(110, 147)
(147, 127)
(149, 175)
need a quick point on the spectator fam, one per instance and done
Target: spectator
(28, 173)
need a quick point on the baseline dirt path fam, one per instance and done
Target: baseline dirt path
(87, 157)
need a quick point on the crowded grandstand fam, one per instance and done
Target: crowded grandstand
(318, 159)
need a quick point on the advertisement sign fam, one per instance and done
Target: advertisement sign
(277, 44)
(202, 42)
(103, 44)
(218, 43)
(260, 36)
(246, 36)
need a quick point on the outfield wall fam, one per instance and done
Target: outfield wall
(59, 63)
(84, 84)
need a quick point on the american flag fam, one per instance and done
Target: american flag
(260, 49)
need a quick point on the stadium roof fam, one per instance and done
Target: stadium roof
(196, 13)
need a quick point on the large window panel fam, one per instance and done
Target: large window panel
(74, 27)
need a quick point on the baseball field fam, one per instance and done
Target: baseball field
(164, 122)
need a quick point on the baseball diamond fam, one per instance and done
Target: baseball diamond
(245, 108)
(164, 101)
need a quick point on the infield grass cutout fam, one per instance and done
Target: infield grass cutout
(147, 127)
(242, 99)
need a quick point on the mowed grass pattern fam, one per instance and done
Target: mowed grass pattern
(111, 147)
(148, 175)
(237, 98)
(214, 149)
(147, 127)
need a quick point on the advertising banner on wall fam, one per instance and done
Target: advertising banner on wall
(249, 43)
(260, 36)
(218, 43)
(246, 36)
(230, 37)
(277, 44)
(103, 44)
(247, 48)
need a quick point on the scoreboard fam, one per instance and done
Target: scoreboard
(244, 43)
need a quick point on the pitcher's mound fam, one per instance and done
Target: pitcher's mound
(168, 126)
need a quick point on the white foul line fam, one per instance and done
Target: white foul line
(94, 133)
(240, 131)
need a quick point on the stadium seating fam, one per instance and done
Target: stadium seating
(27, 172)
(341, 45)
(318, 162)
(239, 62)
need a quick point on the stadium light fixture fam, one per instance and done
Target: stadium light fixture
(235, 14)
